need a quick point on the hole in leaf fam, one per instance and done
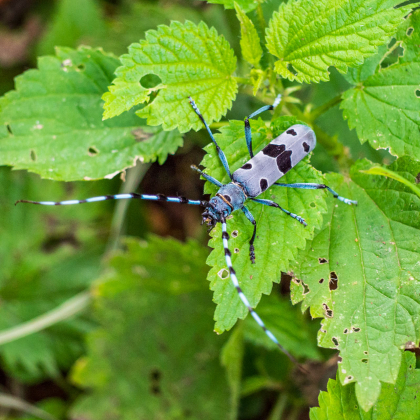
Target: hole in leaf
(223, 273)
(418, 93)
(328, 311)
(349, 378)
(410, 31)
(33, 155)
(365, 352)
(93, 151)
(333, 283)
(234, 234)
(335, 341)
(9, 129)
(321, 281)
(322, 260)
(305, 288)
(365, 360)
(81, 67)
(355, 329)
(291, 69)
(346, 331)
(313, 205)
(236, 251)
(150, 81)
(392, 43)
(418, 178)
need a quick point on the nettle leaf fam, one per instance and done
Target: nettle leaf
(309, 36)
(278, 236)
(52, 124)
(245, 5)
(250, 41)
(397, 401)
(185, 60)
(361, 274)
(384, 106)
(154, 307)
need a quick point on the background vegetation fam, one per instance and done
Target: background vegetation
(105, 311)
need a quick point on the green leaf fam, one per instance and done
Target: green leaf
(309, 36)
(395, 402)
(154, 310)
(68, 26)
(245, 5)
(47, 255)
(361, 274)
(384, 106)
(51, 124)
(278, 236)
(285, 322)
(188, 60)
(250, 41)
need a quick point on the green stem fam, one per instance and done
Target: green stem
(317, 112)
(14, 403)
(378, 170)
(278, 410)
(66, 310)
(133, 179)
(244, 81)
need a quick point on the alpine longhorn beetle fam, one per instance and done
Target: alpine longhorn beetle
(248, 182)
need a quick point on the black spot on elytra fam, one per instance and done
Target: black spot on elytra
(292, 132)
(274, 150)
(284, 161)
(263, 184)
(227, 198)
(305, 146)
(247, 166)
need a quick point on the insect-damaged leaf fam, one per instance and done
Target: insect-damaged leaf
(308, 36)
(384, 107)
(155, 354)
(52, 123)
(186, 60)
(361, 273)
(278, 235)
(398, 402)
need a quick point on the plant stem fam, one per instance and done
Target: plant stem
(244, 81)
(66, 310)
(317, 112)
(278, 410)
(134, 177)
(15, 403)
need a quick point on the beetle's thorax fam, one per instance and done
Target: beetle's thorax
(229, 198)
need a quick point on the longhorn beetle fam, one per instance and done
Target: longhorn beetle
(248, 182)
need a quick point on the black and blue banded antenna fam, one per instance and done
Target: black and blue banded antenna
(248, 182)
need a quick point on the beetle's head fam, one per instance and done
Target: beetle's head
(216, 211)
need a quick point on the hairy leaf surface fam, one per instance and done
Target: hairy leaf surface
(384, 107)
(52, 125)
(155, 343)
(185, 60)
(309, 36)
(397, 402)
(362, 274)
(278, 236)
